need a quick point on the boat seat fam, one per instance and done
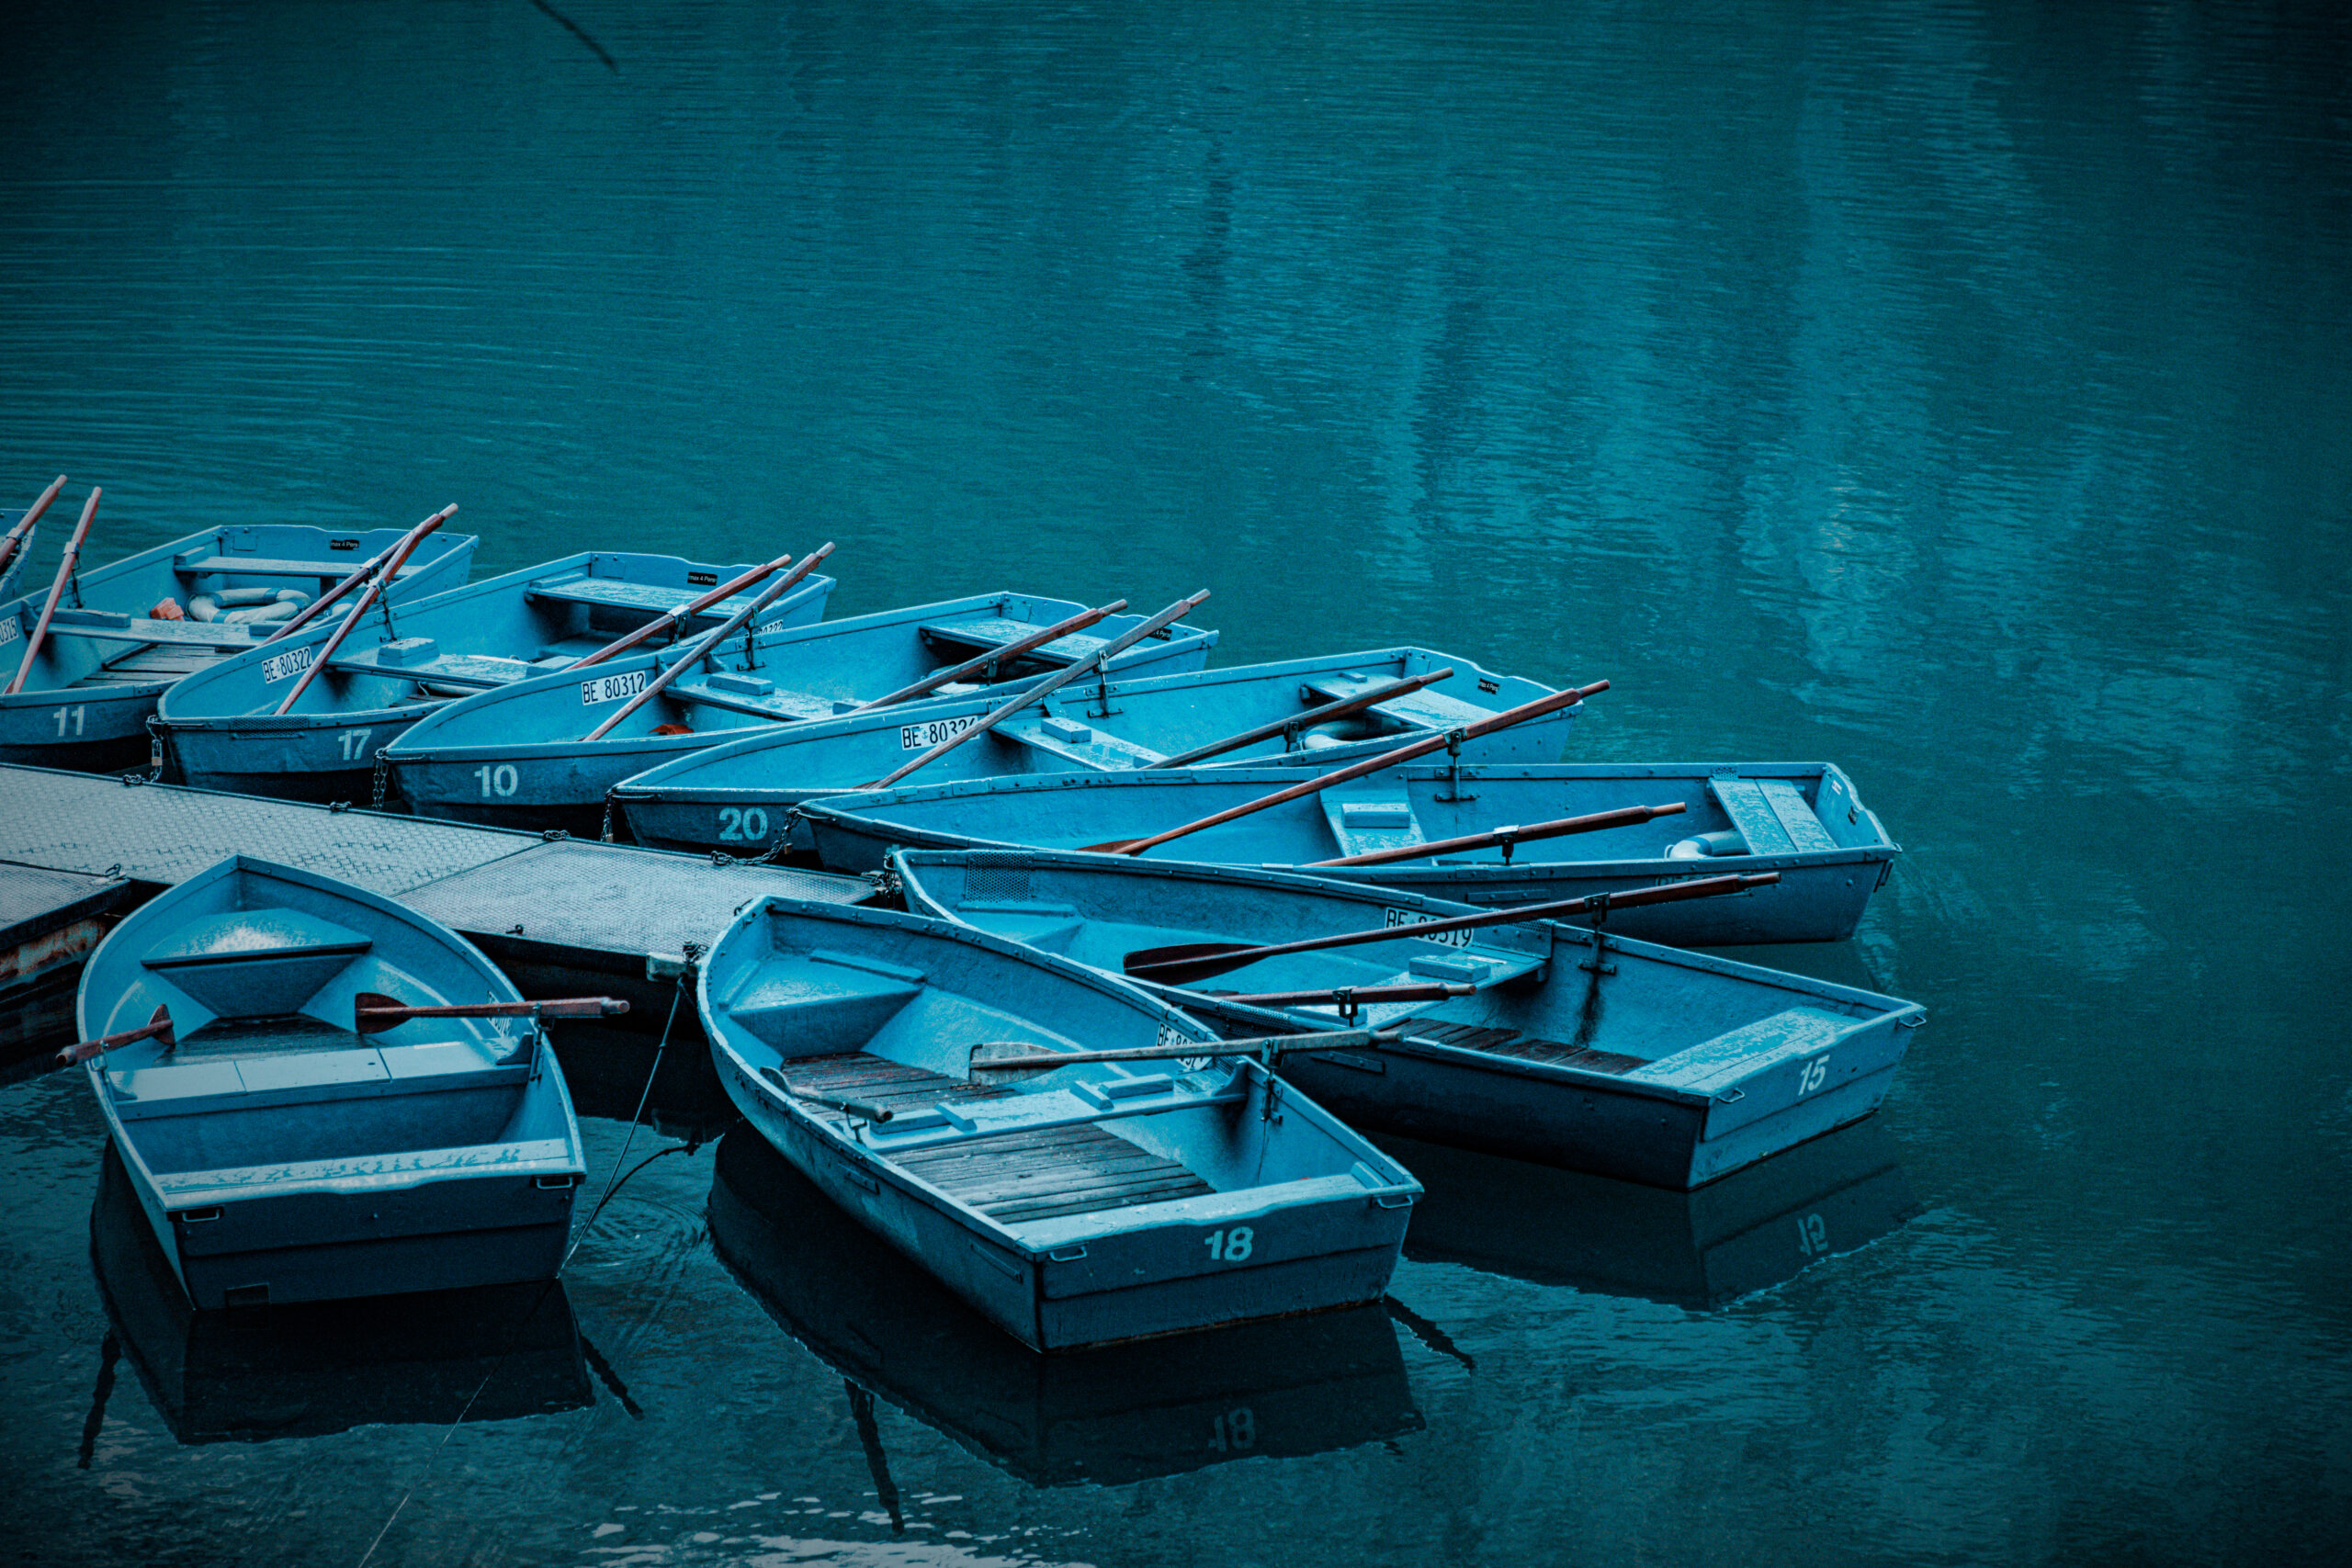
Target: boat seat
(1425, 709)
(252, 1081)
(1772, 814)
(1501, 1041)
(116, 626)
(978, 634)
(754, 693)
(250, 964)
(616, 594)
(1362, 821)
(327, 573)
(814, 1004)
(1094, 749)
(1715, 1064)
(147, 666)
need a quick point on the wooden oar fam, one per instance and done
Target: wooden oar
(1323, 714)
(1335, 996)
(865, 1108)
(9, 546)
(1185, 963)
(1100, 658)
(1021, 1056)
(395, 559)
(712, 638)
(939, 678)
(1519, 833)
(682, 614)
(1420, 748)
(56, 590)
(159, 1027)
(372, 1012)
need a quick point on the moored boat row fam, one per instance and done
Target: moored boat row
(1176, 937)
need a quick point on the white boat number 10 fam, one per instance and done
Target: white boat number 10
(1232, 1246)
(499, 780)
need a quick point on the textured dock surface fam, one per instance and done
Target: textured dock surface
(606, 898)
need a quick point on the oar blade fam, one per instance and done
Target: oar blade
(1182, 953)
(161, 1022)
(372, 1012)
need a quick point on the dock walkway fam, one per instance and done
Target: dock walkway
(554, 913)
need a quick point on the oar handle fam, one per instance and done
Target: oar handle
(1177, 971)
(56, 590)
(395, 559)
(682, 614)
(373, 1012)
(1388, 692)
(158, 1027)
(1038, 1058)
(1100, 658)
(866, 1109)
(712, 638)
(1519, 833)
(1421, 748)
(25, 524)
(1035, 640)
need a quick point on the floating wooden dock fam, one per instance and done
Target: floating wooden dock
(552, 912)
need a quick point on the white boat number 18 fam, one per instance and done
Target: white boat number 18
(1233, 1246)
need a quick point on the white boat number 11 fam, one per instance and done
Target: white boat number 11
(1233, 1246)
(76, 714)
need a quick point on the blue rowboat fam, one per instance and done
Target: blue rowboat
(106, 658)
(518, 757)
(1100, 1201)
(1604, 1054)
(325, 1366)
(1282, 1389)
(1730, 1238)
(280, 1154)
(220, 728)
(1803, 820)
(738, 797)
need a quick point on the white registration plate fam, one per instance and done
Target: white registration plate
(293, 661)
(1396, 918)
(923, 737)
(613, 688)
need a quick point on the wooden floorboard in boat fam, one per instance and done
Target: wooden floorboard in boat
(1010, 1177)
(1510, 1043)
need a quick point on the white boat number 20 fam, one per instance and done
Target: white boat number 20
(1812, 1075)
(742, 824)
(499, 780)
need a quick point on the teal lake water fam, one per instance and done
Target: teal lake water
(1954, 389)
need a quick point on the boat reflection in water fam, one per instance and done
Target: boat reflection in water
(1756, 1228)
(253, 1374)
(1107, 1416)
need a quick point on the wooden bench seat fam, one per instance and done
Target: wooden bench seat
(1012, 1177)
(1512, 1043)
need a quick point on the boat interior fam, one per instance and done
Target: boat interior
(878, 1019)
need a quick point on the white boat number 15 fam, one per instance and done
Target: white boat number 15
(1812, 1075)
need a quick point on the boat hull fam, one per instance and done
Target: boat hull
(1820, 896)
(1348, 1248)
